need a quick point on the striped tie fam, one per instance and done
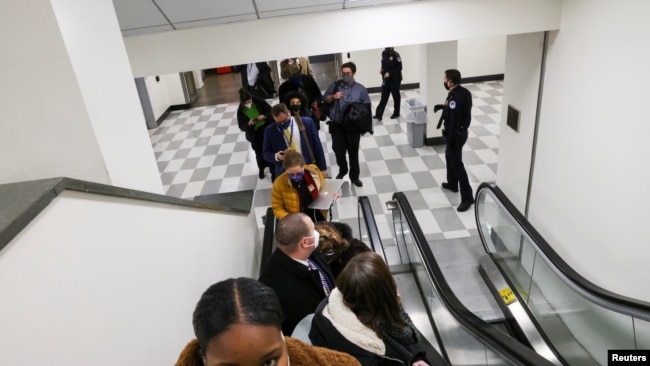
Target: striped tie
(323, 279)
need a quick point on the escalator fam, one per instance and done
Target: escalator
(578, 319)
(552, 315)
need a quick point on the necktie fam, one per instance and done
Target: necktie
(288, 134)
(323, 279)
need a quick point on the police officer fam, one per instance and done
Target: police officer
(456, 116)
(391, 73)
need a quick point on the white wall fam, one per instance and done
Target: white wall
(46, 128)
(96, 50)
(418, 23)
(521, 90)
(482, 56)
(96, 280)
(590, 193)
(164, 93)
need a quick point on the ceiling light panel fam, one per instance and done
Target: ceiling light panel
(138, 14)
(275, 8)
(197, 10)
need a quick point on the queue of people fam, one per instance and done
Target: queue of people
(356, 318)
(319, 271)
(346, 103)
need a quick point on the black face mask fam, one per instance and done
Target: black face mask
(445, 85)
(295, 107)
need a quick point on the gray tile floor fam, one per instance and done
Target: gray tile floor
(201, 151)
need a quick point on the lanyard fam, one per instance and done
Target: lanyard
(284, 134)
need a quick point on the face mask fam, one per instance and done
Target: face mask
(445, 85)
(248, 105)
(297, 177)
(284, 124)
(316, 236)
(347, 78)
(295, 107)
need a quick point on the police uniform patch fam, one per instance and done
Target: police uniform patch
(452, 104)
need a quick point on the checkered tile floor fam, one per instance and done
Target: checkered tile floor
(202, 151)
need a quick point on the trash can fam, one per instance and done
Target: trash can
(416, 121)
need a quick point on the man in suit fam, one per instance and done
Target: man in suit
(297, 273)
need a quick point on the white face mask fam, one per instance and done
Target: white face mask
(248, 105)
(316, 237)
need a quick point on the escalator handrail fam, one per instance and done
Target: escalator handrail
(587, 289)
(371, 224)
(269, 236)
(496, 340)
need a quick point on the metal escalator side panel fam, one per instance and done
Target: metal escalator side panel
(510, 302)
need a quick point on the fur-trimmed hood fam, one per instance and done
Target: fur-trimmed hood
(347, 323)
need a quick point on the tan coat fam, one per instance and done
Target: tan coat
(300, 354)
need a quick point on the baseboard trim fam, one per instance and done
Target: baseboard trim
(178, 107)
(479, 79)
(377, 89)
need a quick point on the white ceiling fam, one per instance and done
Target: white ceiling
(152, 16)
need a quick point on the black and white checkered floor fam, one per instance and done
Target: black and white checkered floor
(202, 151)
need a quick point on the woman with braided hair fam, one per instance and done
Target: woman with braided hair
(238, 322)
(363, 316)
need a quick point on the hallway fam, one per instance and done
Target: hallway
(201, 151)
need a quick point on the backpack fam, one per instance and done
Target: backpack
(324, 107)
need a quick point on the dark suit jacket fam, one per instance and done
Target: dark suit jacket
(299, 289)
(274, 141)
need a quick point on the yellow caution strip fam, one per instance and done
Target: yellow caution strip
(507, 295)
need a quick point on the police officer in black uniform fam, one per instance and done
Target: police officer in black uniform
(456, 115)
(391, 73)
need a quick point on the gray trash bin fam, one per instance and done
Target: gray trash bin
(416, 121)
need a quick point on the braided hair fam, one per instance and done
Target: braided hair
(234, 301)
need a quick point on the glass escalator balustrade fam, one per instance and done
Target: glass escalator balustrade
(580, 330)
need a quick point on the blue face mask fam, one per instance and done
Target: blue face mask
(296, 177)
(285, 124)
(296, 79)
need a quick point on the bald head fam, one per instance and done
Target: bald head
(292, 229)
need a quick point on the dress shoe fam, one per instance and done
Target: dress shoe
(341, 175)
(377, 118)
(358, 183)
(261, 174)
(448, 186)
(465, 205)
(394, 116)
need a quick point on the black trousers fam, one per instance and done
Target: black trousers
(389, 86)
(257, 144)
(346, 141)
(456, 173)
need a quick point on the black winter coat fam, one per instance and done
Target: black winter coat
(299, 289)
